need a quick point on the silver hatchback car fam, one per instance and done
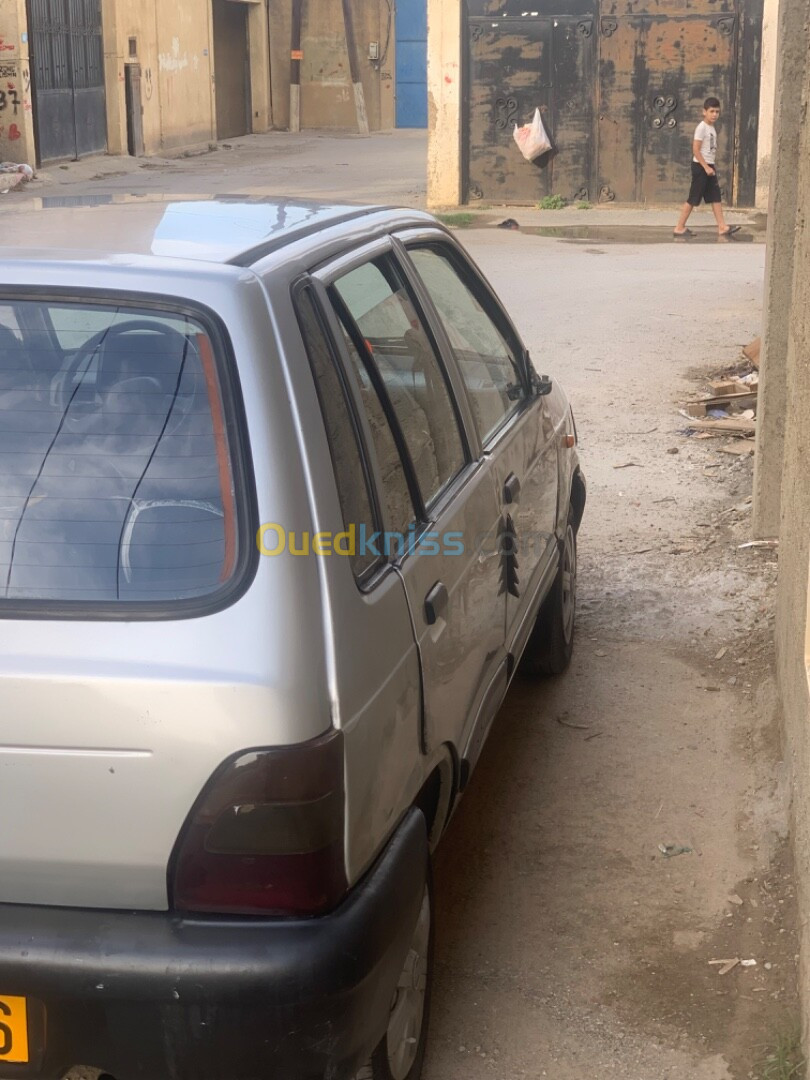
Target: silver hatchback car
(283, 502)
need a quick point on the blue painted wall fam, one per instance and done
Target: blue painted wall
(411, 70)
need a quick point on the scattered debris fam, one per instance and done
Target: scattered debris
(509, 223)
(722, 653)
(725, 966)
(740, 449)
(733, 425)
(758, 544)
(669, 851)
(629, 465)
(12, 175)
(752, 351)
(748, 963)
(595, 735)
(576, 727)
(735, 899)
(673, 450)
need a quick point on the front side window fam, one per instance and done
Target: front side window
(398, 351)
(488, 365)
(116, 479)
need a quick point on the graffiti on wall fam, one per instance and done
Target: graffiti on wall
(174, 61)
(15, 88)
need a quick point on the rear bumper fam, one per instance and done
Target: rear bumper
(150, 996)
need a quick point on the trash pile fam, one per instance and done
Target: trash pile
(12, 175)
(731, 407)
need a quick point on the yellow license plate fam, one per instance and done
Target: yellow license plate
(13, 1030)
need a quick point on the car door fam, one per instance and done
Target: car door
(513, 424)
(439, 500)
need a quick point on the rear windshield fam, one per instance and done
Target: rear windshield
(116, 484)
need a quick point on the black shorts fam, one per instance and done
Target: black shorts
(704, 188)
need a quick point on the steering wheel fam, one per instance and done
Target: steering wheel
(65, 385)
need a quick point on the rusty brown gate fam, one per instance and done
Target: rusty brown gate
(620, 84)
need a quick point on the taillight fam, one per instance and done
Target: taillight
(266, 835)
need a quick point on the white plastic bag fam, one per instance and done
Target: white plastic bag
(532, 138)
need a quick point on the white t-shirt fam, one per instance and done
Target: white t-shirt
(706, 135)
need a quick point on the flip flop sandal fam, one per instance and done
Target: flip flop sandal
(731, 230)
(686, 232)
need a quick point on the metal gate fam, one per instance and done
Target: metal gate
(515, 66)
(620, 84)
(67, 66)
(411, 64)
(655, 75)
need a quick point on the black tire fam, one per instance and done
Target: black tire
(404, 1060)
(551, 645)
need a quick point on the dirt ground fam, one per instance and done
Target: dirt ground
(568, 945)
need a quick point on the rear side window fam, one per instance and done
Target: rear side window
(352, 485)
(116, 478)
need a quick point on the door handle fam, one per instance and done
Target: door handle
(511, 489)
(436, 603)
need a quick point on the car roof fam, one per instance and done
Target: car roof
(235, 230)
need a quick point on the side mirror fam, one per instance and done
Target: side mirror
(542, 385)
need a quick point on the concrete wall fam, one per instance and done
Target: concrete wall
(177, 52)
(327, 100)
(16, 117)
(444, 103)
(787, 362)
(767, 100)
(783, 209)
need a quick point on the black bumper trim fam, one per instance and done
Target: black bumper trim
(145, 996)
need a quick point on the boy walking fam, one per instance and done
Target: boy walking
(705, 185)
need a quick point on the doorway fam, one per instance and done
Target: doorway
(231, 68)
(411, 64)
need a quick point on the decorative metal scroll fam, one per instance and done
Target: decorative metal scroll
(507, 112)
(663, 107)
(609, 27)
(606, 194)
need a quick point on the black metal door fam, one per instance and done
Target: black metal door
(518, 64)
(67, 61)
(655, 72)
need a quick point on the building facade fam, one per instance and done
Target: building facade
(151, 77)
(620, 85)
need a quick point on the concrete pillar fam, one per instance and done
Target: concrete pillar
(792, 67)
(767, 102)
(17, 136)
(259, 68)
(792, 643)
(444, 103)
(114, 84)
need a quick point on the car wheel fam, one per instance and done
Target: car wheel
(551, 644)
(402, 1049)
